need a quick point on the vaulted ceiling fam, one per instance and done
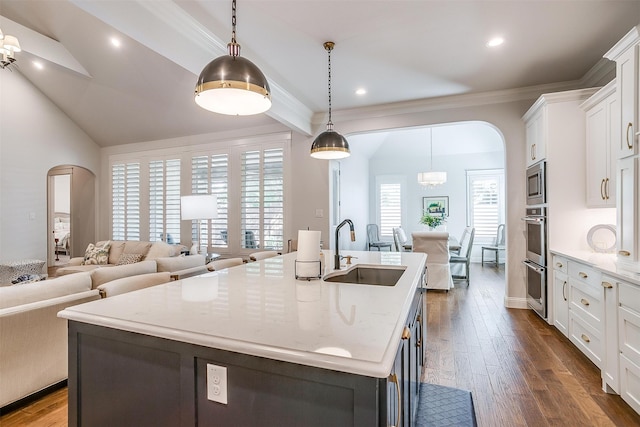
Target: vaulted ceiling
(399, 51)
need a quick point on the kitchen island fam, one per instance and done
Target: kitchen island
(252, 345)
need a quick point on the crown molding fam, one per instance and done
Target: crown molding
(629, 39)
(447, 102)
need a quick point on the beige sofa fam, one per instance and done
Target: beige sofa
(33, 340)
(156, 257)
(118, 248)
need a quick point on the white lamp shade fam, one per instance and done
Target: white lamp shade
(10, 43)
(432, 178)
(199, 206)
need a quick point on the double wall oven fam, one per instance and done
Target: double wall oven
(535, 222)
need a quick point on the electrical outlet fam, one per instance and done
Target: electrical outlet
(217, 383)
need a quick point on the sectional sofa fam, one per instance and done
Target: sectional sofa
(33, 340)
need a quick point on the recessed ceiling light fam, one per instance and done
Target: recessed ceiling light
(38, 65)
(115, 42)
(361, 91)
(496, 41)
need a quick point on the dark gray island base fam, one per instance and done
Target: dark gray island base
(253, 346)
(119, 378)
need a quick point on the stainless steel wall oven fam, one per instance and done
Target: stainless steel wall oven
(536, 272)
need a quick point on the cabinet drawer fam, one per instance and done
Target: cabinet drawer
(586, 338)
(629, 296)
(587, 300)
(584, 273)
(630, 382)
(559, 263)
(629, 334)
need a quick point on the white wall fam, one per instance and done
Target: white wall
(354, 202)
(35, 136)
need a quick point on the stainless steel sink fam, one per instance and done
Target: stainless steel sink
(368, 275)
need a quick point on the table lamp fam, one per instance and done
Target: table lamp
(199, 207)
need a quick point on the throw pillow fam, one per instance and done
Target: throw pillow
(129, 259)
(96, 255)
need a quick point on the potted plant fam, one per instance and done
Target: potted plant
(431, 221)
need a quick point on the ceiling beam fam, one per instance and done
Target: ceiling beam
(173, 33)
(42, 46)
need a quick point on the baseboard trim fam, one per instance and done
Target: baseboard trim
(511, 302)
(32, 397)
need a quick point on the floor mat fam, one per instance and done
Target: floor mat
(441, 406)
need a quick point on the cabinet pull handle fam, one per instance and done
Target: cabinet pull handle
(630, 142)
(624, 253)
(584, 302)
(583, 275)
(419, 343)
(606, 188)
(394, 379)
(585, 338)
(564, 286)
(607, 285)
(602, 196)
(533, 151)
(559, 264)
(406, 333)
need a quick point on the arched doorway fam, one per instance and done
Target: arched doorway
(70, 212)
(470, 152)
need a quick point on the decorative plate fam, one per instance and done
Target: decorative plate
(602, 238)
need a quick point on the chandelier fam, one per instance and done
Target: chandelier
(8, 46)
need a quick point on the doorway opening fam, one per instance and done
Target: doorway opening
(70, 212)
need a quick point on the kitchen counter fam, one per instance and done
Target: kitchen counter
(260, 309)
(606, 263)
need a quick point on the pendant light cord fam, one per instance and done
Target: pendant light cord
(233, 47)
(329, 47)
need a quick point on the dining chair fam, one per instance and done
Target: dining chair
(464, 257)
(498, 244)
(256, 256)
(400, 240)
(436, 245)
(221, 264)
(373, 238)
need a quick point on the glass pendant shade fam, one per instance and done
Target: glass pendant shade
(330, 145)
(233, 85)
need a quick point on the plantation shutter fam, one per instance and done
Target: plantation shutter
(390, 199)
(164, 201)
(125, 194)
(262, 199)
(485, 203)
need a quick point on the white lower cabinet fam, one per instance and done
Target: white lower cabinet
(629, 341)
(611, 363)
(586, 310)
(560, 295)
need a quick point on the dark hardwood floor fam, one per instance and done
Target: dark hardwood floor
(521, 371)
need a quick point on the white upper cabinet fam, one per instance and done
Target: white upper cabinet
(626, 53)
(536, 140)
(602, 113)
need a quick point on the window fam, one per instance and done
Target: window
(486, 202)
(125, 193)
(262, 199)
(164, 201)
(390, 204)
(209, 175)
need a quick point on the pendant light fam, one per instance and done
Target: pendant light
(232, 84)
(431, 178)
(330, 145)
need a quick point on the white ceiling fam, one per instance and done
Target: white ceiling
(398, 50)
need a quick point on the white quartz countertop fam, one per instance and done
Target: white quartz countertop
(260, 309)
(606, 263)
